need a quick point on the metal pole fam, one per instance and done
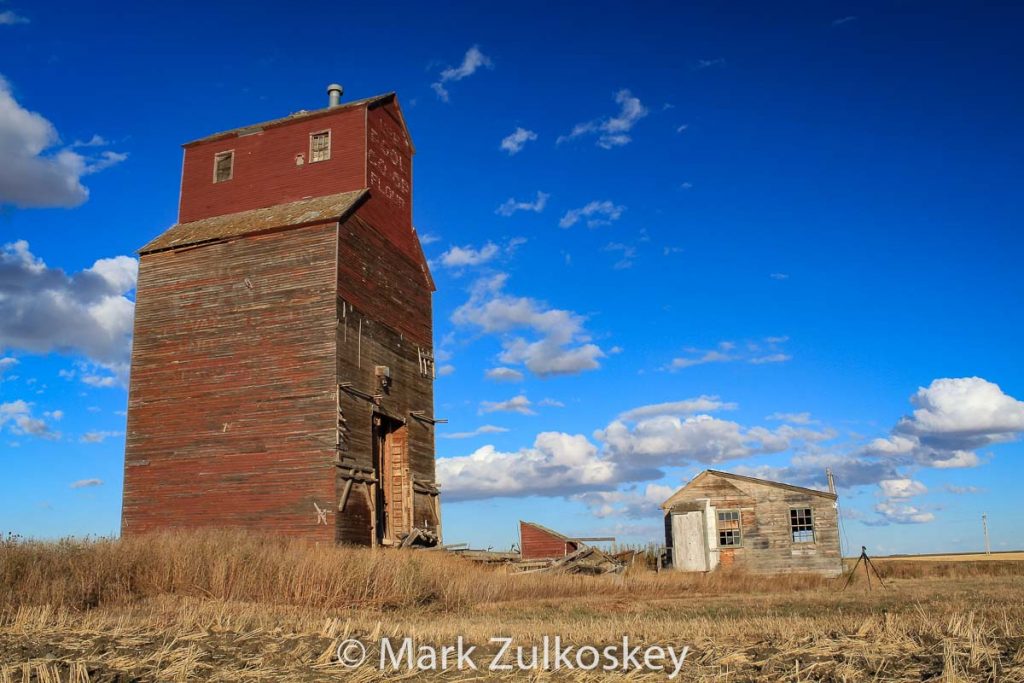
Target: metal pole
(984, 526)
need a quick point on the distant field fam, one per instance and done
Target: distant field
(1006, 556)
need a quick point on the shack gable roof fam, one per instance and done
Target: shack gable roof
(297, 116)
(294, 214)
(748, 480)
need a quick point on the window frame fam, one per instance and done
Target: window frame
(229, 153)
(734, 533)
(311, 159)
(811, 523)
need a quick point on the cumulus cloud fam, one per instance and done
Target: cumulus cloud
(34, 174)
(550, 403)
(808, 469)
(901, 488)
(483, 429)
(612, 131)
(511, 205)
(557, 464)
(963, 490)
(517, 404)
(473, 60)
(952, 419)
(514, 142)
(560, 343)
(502, 374)
(596, 213)
(460, 257)
(44, 309)
(85, 483)
(17, 418)
(898, 513)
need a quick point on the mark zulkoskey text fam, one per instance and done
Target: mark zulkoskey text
(551, 654)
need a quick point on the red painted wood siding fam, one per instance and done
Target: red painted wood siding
(538, 544)
(265, 172)
(232, 415)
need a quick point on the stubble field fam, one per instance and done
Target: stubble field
(236, 607)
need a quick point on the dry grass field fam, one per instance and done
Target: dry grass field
(235, 607)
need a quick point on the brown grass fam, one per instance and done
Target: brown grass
(237, 607)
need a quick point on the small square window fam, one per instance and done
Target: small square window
(729, 528)
(801, 524)
(223, 166)
(320, 146)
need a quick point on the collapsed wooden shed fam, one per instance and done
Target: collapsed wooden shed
(282, 368)
(721, 519)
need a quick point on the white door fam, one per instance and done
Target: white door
(689, 550)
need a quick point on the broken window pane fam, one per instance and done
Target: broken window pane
(223, 166)
(801, 523)
(320, 146)
(728, 528)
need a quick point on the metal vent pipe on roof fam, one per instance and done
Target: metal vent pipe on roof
(334, 92)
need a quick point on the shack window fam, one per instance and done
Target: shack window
(801, 522)
(223, 166)
(320, 146)
(728, 528)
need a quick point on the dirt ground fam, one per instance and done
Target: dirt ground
(924, 629)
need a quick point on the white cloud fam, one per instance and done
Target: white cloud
(9, 18)
(98, 436)
(561, 345)
(556, 465)
(901, 488)
(16, 417)
(794, 418)
(808, 469)
(460, 257)
(502, 374)
(962, 490)
(511, 205)
(896, 513)
(728, 352)
(517, 404)
(596, 213)
(471, 62)
(952, 419)
(612, 131)
(550, 403)
(708, 63)
(445, 370)
(6, 364)
(32, 177)
(628, 253)
(844, 20)
(86, 483)
(513, 142)
(629, 504)
(779, 276)
(429, 238)
(55, 415)
(43, 309)
(690, 406)
(683, 127)
(484, 429)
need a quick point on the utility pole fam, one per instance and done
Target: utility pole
(831, 480)
(984, 526)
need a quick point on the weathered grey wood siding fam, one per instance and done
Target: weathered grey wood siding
(767, 544)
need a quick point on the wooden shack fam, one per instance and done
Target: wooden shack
(282, 368)
(728, 520)
(537, 542)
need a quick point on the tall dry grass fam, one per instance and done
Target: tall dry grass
(240, 566)
(247, 567)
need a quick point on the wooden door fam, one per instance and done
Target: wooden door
(689, 541)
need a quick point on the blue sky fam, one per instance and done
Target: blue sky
(752, 237)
